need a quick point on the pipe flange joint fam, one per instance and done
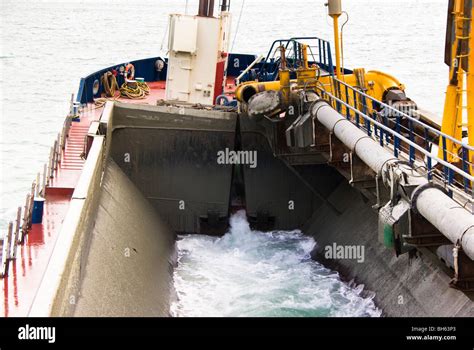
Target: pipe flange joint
(362, 138)
(324, 103)
(416, 193)
(463, 234)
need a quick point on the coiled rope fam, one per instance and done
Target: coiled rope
(109, 83)
(130, 89)
(134, 90)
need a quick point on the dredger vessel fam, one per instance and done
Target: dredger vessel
(167, 145)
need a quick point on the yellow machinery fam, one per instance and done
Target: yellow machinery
(335, 11)
(285, 84)
(374, 83)
(470, 87)
(377, 83)
(459, 103)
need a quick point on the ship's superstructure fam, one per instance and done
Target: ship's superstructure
(198, 50)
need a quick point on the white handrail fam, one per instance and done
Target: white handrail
(434, 130)
(246, 70)
(401, 137)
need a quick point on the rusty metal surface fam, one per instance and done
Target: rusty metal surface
(464, 273)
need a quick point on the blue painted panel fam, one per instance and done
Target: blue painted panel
(238, 62)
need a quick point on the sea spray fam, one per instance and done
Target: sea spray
(253, 273)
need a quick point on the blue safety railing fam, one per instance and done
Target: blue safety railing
(405, 134)
(319, 54)
(269, 67)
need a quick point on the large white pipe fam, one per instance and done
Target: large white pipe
(354, 138)
(452, 220)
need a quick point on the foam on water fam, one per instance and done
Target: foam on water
(252, 273)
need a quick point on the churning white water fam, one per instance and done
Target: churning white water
(252, 273)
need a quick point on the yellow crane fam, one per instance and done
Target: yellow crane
(470, 84)
(459, 103)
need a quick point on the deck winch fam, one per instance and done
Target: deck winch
(400, 102)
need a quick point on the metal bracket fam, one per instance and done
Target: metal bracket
(463, 271)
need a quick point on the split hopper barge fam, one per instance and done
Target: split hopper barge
(342, 154)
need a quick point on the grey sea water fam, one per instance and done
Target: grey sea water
(46, 46)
